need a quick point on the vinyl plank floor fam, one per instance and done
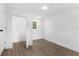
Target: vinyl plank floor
(40, 47)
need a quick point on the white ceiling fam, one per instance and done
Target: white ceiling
(53, 8)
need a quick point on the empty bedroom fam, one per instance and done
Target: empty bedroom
(39, 29)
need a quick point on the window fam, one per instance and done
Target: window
(34, 25)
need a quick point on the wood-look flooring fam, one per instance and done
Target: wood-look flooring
(40, 48)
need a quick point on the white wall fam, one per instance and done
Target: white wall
(8, 31)
(9, 39)
(2, 27)
(18, 29)
(22, 30)
(33, 34)
(38, 33)
(29, 40)
(64, 30)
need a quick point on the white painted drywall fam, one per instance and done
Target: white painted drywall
(64, 30)
(18, 29)
(8, 32)
(37, 33)
(33, 34)
(9, 40)
(21, 32)
(29, 40)
(2, 27)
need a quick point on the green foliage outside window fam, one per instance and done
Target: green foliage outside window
(34, 25)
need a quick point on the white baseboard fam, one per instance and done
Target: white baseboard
(62, 45)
